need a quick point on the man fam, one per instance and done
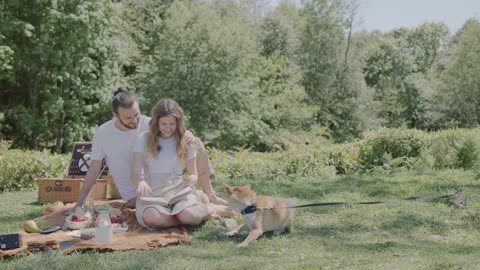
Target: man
(114, 140)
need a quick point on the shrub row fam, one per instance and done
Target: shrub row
(383, 149)
(20, 170)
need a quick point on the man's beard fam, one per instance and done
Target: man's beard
(126, 125)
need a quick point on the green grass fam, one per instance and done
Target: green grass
(401, 235)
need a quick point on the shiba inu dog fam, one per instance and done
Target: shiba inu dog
(260, 213)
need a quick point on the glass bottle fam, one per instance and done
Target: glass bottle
(103, 227)
(88, 208)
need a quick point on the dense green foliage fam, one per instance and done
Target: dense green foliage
(381, 150)
(20, 170)
(62, 56)
(245, 74)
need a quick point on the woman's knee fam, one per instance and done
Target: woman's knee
(192, 215)
(154, 218)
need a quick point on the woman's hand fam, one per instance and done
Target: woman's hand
(143, 189)
(189, 180)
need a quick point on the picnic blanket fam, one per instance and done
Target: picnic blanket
(136, 237)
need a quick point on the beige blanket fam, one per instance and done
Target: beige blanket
(136, 237)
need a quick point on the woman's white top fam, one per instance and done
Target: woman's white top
(167, 161)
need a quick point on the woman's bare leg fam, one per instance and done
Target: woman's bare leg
(153, 218)
(206, 185)
(204, 169)
(217, 210)
(193, 215)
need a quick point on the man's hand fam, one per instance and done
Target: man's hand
(69, 210)
(188, 137)
(143, 189)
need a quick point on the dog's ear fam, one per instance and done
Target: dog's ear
(228, 189)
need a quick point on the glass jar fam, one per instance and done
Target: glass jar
(88, 208)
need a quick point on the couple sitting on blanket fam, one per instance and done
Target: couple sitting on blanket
(153, 176)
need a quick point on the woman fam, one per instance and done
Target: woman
(163, 155)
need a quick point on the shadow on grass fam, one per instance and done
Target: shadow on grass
(426, 246)
(312, 189)
(370, 187)
(211, 234)
(405, 224)
(19, 217)
(329, 231)
(349, 228)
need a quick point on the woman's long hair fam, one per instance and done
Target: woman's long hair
(167, 107)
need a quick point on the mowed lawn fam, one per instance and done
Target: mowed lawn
(401, 235)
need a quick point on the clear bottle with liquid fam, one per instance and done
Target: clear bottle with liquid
(103, 227)
(88, 208)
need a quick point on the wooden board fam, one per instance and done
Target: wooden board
(80, 161)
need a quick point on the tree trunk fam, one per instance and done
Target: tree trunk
(58, 141)
(61, 123)
(33, 103)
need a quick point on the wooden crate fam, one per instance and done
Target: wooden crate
(68, 189)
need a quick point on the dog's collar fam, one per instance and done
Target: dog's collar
(249, 209)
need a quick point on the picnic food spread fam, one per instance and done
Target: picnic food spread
(37, 225)
(36, 246)
(128, 234)
(76, 221)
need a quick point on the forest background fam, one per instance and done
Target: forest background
(247, 76)
(288, 99)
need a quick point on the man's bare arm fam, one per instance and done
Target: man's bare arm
(137, 168)
(89, 181)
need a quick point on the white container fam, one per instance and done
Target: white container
(103, 227)
(103, 235)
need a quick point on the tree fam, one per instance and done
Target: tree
(61, 67)
(390, 70)
(275, 37)
(323, 59)
(425, 43)
(459, 99)
(204, 60)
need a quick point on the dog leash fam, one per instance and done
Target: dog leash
(252, 208)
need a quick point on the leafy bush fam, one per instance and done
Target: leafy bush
(302, 156)
(313, 161)
(468, 153)
(20, 170)
(343, 157)
(381, 147)
(453, 148)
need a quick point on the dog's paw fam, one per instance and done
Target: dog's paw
(241, 245)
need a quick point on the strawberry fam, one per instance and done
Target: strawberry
(117, 220)
(76, 218)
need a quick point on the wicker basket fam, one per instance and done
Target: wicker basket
(68, 189)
